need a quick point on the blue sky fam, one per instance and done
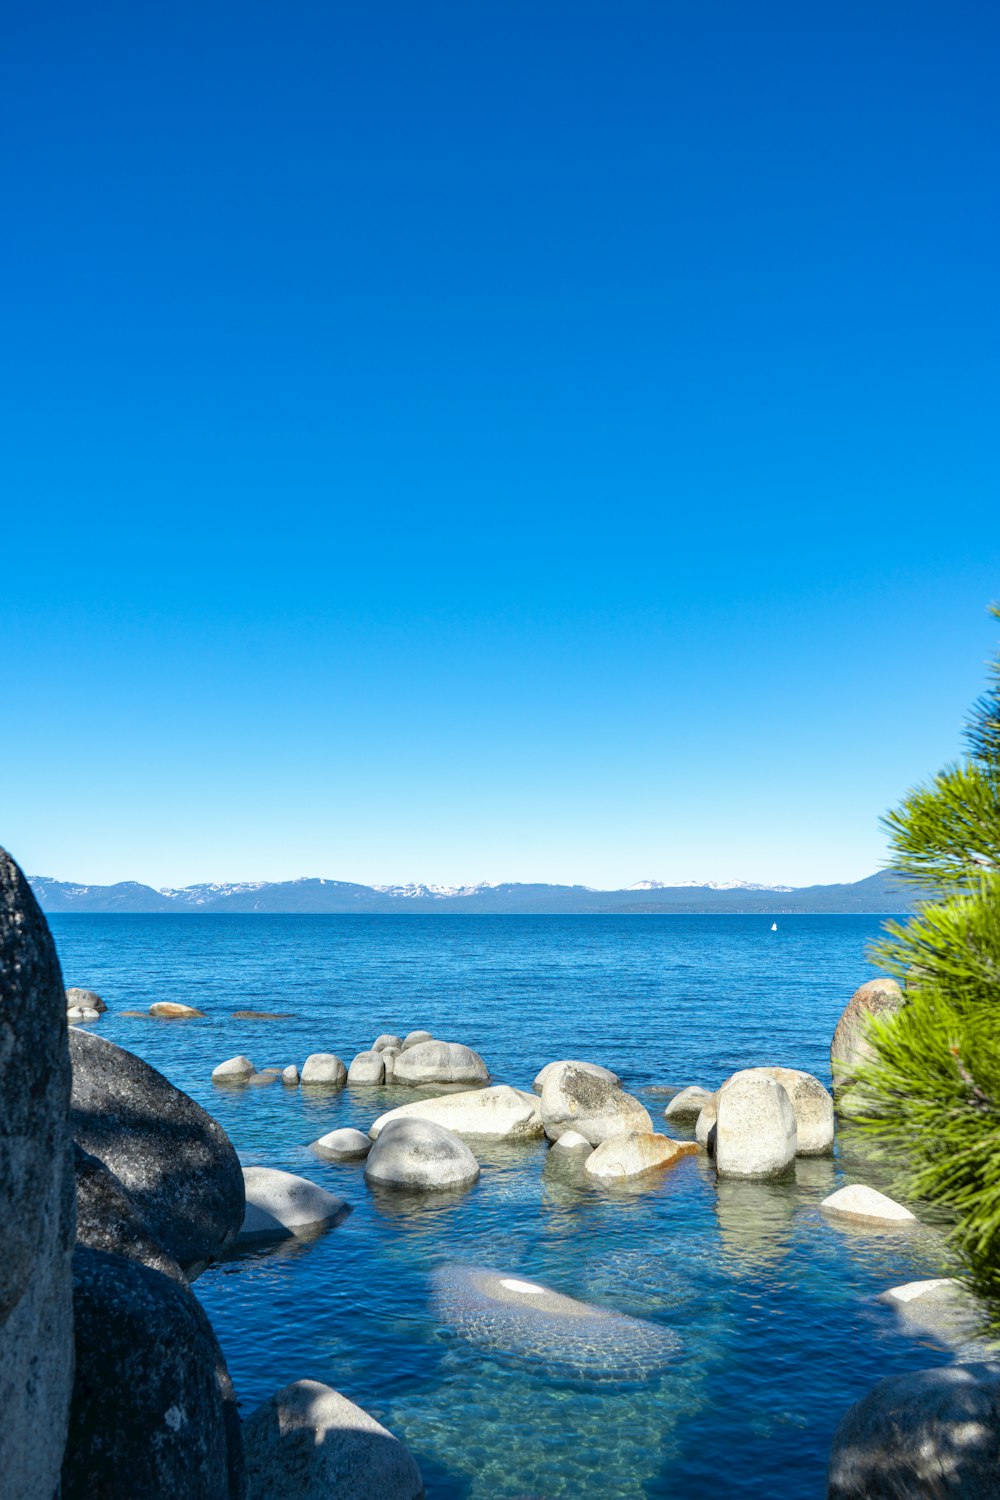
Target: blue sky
(523, 441)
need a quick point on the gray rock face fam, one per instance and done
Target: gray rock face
(175, 1162)
(308, 1443)
(811, 1104)
(422, 1156)
(367, 1067)
(290, 1076)
(755, 1132)
(37, 1198)
(107, 1219)
(386, 1039)
(704, 1127)
(87, 998)
(557, 1067)
(344, 1144)
(280, 1204)
(686, 1106)
(153, 1410)
(850, 1047)
(323, 1068)
(389, 1055)
(934, 1433)
(439, 1062)
(500, 1113)
(573, 1099)
(414, 1039)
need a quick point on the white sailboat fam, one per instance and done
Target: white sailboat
(774, 926)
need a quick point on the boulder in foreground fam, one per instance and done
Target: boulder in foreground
(108, 1220)
(625, 1156)
(175, 1162)
(439, 1062)
(755, 1131)
(929, 1434)
(153, 1410)
(421, 1156)
(308, 1442)
(36, 1185)
(867, 1205)
(500, 1113)
(280, 1204)
(576, 1100)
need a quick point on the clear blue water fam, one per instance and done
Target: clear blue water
(774, 1305)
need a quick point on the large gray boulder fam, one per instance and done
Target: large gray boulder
(153, 1410)
(933, 1433)
(280, 1204)
(323, 1069)
(367, 1068)
(421, 1156)
(88, 999)
(575, 1099)
(850, 1048)
(388, 1039)
(685, 1107)
(755, 1130)
(811, 1104)
(108, 1220)
(36, 1198)
(439, 1062)
(308, 1442)
(414, 1039)
(345, 1144)
(500, 1113)
(175, 1162)
(558, 1067)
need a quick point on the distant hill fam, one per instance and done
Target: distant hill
(877, 893)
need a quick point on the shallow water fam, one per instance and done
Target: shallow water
(774, 1305)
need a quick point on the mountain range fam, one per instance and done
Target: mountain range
(882, 892)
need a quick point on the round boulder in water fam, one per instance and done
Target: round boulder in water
(234, 1070)
(388, 1039)
(501, 1113)
(89, 999)
(755, 1133)
(367, 1067)
(323, 1068)
(573, 1099)
(280, 1204)
(418, 1154)
(414, 1039)
(439, 1062)
(557, 1067)
(345, 1144)
(519, 1320)
(172, 1010)
(686, 1106)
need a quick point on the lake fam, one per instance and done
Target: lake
(773, 1305)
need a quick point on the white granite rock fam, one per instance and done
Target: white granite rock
(345, 1144)
(686, 1106)
(755, 1132)
(367, 1068)
(624, 1156)
(323, 1068)
(859, 1202)
(421, 1156)
(500, 1113)
(586, 1067)
(573, 1099)
(439, 1062)
(280, 1204)
(233, 1070)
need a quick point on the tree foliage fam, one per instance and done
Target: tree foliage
(935, 1083)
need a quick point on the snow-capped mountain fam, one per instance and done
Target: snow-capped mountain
(416, 890)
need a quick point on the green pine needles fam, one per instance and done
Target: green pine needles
(935, 1083)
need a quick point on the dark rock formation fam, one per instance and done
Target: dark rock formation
(36, 1198)
(107, 1219)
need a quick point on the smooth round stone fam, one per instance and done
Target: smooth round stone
(78, 1014)
(625, 1156)
(290, 1076)
(812, 1106)
(929, 1434)
(859, 1202)
(308, 1442)
(577, 1099)
(234, 1070)
(439, 1062)
(414, 1039)
(422, 1156)
(686, 1106)
(585, 1067)
(500, 1113)
(87, 998)
(345, 1144)
(572, 1140)
(323, 1068)
(367, 1068)
(515, 1318)
(755, 1132)
(171, 1010)
(850, 1048)
(387, 1039)
(280, 1204)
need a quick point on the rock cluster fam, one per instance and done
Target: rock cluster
(417, 1060)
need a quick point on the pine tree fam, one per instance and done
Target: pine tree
(935, 1084)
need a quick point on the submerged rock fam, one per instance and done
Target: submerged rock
(344, 1144)
(419, 1154)
(500, 1113)
(175, 1162)
(553, 1068)
(572, 1140)
(153, 1410)
(934, 1433)
(942, 1307)
(574, 1099)
(624, 1156)
(308, 1442)
(263, 1015)
(36, 1186)
(850, 1048)
(865, 1203)
(280, 1204)
(516, 1319)
(686, 1106)
(323, 1068)
(439, 1062)
(755, 1132)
